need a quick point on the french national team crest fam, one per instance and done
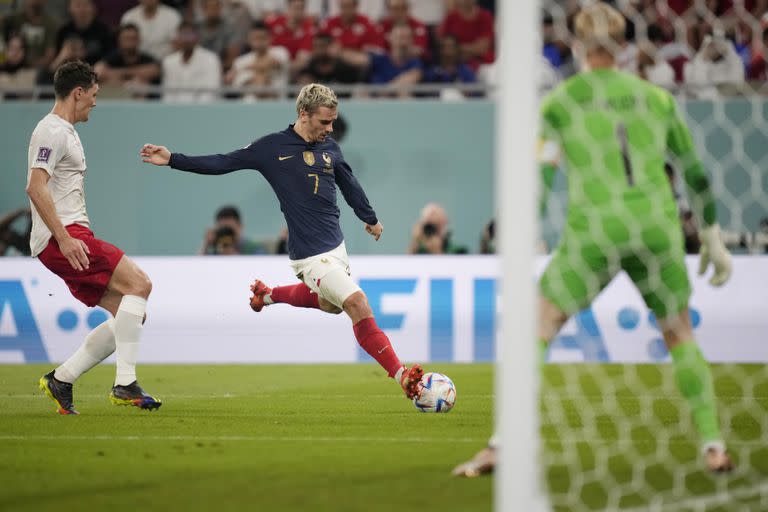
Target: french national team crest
(327, 159)
(309, 158)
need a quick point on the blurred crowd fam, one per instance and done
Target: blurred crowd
(199, 50)
(703, 48)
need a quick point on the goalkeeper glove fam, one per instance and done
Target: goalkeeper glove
(713, 251)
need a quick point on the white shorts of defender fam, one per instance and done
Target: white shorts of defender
(327, 274)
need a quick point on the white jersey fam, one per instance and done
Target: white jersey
(55, 147)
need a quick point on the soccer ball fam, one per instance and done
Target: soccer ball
(438, 393)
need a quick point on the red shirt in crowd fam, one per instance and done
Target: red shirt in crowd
(361, 34)
(467, 31)
(419, 29)
(294, 40)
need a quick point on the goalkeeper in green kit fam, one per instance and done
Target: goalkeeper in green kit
(615, 131)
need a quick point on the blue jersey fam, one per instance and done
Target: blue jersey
(304, 176)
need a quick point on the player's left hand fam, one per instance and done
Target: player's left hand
(713, 251)
(374, 231)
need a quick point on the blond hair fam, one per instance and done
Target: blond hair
(313, 96)
(600, 26)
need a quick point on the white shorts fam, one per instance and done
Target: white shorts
(327, 275)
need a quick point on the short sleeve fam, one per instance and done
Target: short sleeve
(46, 148)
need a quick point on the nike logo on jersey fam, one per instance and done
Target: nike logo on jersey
(382, 350)
(281, 158)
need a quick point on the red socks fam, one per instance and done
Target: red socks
(376, 343)
(298, 295)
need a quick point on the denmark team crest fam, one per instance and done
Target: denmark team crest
(309, 158)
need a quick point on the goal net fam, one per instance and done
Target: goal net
(617, 432)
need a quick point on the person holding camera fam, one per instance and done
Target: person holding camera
(226, 236)
(430, 234)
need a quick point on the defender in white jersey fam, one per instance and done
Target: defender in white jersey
(96, 272)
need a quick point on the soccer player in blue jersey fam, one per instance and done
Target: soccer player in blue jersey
(304, 165)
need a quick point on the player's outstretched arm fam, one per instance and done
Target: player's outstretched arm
(249, 157)
(374, 230)
(157, 155)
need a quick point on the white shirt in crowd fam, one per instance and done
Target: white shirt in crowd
(55, 147)
(661, 74)
(702, 75)
(243, 67)
(202, 70)
(156, 33)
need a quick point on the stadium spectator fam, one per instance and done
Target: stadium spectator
(72, 48)
(224, 242)
(192, 66)
(757, 67)
(325, 66)
(95, 35)
(430, 234)
(550, 50)
(472, 26)
(228, 223)
(14, 74)
(715, 66)
(449, 68)
(127, 64)
(14, 237)
(110, 12)
(398, 13)
(488, 238)
(218, 35)
(351, 30)
(400, 67)
(157, 25)
(294, 30)
(37, 29)
(264, 66)
(655, 70)
(668, 49)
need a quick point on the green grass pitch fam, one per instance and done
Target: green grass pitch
(341, 438)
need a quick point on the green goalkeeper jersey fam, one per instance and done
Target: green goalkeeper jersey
(616, 131)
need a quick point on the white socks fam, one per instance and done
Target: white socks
(399, 374)
(128, 328)
(98, 345)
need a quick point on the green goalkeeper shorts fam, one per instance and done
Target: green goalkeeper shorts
(580, 269)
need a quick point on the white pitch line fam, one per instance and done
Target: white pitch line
(706, 500)
(425, 440)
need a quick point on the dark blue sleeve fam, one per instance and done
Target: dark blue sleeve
(246, 158)
(353, 193)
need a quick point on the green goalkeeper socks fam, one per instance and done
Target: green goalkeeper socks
(694, 380)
